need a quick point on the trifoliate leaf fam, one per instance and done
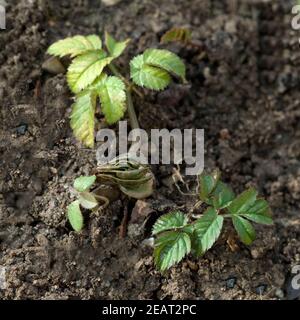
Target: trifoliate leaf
(83, 118)
(166, 60)
(113, 99)
(75, 216)
(170, 221)
(244, 229)
(83, 183)
(259, 212)
(243, 201)
(114, 47)
(182, 35)
(148, 76)
(207, 230)
(87, 200)
(170, 248)
(222, 196)
(75, 46)
(86, 68)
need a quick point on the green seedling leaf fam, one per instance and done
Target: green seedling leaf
(87, 200)
(148, 76)
(75, 46)
(83, 183)
(114, 47)
(170, 221)
(244, 229)
(138, 191)
(243, 202)
(113, 99)
(165, 60)
(208, 183)
(75, 216)
(86, 68)
(83, 118)
(259, 212)
(207, 230)
(222, 196)
(170, 248)
(182, 35)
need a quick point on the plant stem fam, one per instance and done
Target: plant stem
(130, 107)
(131, 111)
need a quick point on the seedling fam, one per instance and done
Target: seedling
(130, 177)
(177, 236)
(182, 35)
(88, 79)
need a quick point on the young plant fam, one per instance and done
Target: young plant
(130, 177)
(176, 236)
(182, 35)
(89, 80)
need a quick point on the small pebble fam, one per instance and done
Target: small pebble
(54, 66)
(261, 289)
(230, 283)
(110, 3)
(21, 129)
(279, 293)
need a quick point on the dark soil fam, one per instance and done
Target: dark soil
(244, 93)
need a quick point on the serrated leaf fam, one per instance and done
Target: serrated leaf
(166, 60)
(207, 230)
(87, 200)
(113, 99)
(114, 47)
(83, 183)
(75, 46)
(259, 212)
(177, 35)
(243, 201)
(222, 196)
(170, 248)
(75, 216)
(85, 69)
(208, 183)
(170, 221)
(244, 229)
(148, 76)
(83, 118)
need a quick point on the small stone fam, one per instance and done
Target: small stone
(279, 293)
(110, 3)
(261, 289)
(255, 253)
(230, 26)
(148, 242)
(53, 65)
(230, 283)
(21, 129)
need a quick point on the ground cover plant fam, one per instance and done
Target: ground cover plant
(242, 90)
(176, 235)
(88, 80)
